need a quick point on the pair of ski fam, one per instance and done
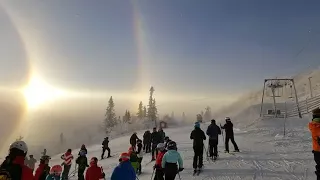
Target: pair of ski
(197, 172)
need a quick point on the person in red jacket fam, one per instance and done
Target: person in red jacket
(13, 167)
(158, 167)
(94, 172)
(44, 169)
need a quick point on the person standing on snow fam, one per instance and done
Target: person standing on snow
(139, 155)
(55, 173)
(228, 127)
(155, 139)
(32, 162)
(147, 141)
(67, 162)
(94, 172)
(14, 165)
(158, 166)
(170, 160)
(162, 135)
(43, 169)
(198, 136)
(314, 127)
(124, 171)
(133, 140)
(82, 162)
(166, 141)
(105, 146)
(213, 132)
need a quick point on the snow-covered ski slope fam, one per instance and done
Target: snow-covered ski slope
(266, 154)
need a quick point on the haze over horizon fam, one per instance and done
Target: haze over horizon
(70, 56)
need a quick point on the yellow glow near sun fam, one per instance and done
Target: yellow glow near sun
(38, 92)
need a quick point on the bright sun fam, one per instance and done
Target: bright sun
(38, 92)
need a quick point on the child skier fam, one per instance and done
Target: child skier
(314, 127)
(43, 169)
(133, 159)
(124, 171)
(94, 172)
(67, 162)
(139, 155)
(158, 166)
(55, 173)
(170, 160)
(82, 162)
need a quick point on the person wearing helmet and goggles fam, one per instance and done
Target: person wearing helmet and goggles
(55, 173)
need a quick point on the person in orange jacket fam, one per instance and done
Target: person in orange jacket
(94, 172)
(314, 127)
(158, 166)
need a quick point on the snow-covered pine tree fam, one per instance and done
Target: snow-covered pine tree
(144, 111)
(140, 112)
(110, 116)
(152, 108)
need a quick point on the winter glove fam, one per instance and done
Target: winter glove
(103, 175)
(156, 166)
(181, 169)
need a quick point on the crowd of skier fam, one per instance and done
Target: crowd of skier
(164, 151)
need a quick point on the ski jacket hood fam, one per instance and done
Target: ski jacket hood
(172, 156)
(94, 172)
(159, 158)
(124, 171)
(314, 127)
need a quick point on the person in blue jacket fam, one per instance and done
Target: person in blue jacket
(124, 171)
(170, 160)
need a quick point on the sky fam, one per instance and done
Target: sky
(195, 53)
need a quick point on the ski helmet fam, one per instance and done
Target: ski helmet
(172, 145)
(19, 145)
(228, 119)
(166, 138)
(56, 170)
(161, 146)
(124, 157)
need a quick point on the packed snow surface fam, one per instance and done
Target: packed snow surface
(265, 153)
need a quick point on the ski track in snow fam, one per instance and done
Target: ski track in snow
(262, 156)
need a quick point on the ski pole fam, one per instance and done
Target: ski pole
(137, 178)
(152, 174)
(179, 175)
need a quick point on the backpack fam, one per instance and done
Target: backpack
(10, 171)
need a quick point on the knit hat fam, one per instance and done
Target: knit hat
(197, 125)
(316, 111)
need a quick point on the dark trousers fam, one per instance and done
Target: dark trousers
(65, 173)
(159, 175)
(317, 161)
(148, 147)
(170, 171)
(144, 146)
(139, 161)
(104, 150)
(80, 174)
(198, 157)
(233, 142)
(154, 150)
(213, 147)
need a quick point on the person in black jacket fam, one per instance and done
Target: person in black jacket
(155, 139)
(133, 140)
(198, 137)
(228, 127)
(147, 141)
(213, 132)
(105, 146)
(162, 135)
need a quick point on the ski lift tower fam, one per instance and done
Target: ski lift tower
(275, 85)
